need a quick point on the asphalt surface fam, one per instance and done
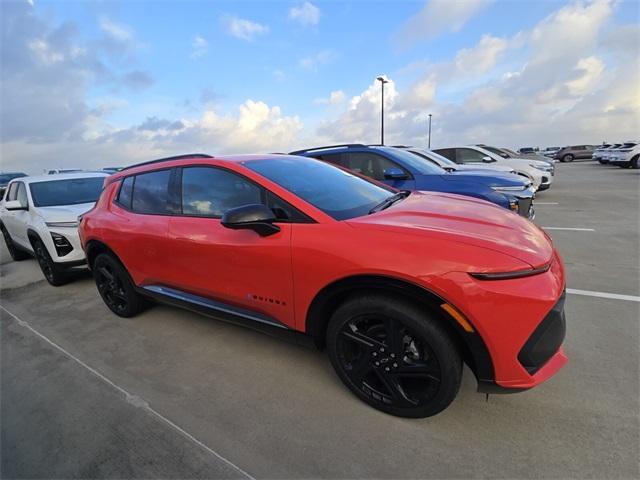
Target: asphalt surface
(170, 394)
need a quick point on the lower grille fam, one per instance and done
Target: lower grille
(546, 339)
(524, 206)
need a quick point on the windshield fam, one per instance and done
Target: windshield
(413, 161)
(497, 151)
(66, 192)
(330, 189)
(430, 155)
(7, 177)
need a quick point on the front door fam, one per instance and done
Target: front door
(236, 267)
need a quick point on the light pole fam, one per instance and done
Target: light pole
(382, 82)
(429, 146)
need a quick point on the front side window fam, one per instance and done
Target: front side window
(369, 164)
(72, 191)
(210, 192)
(22, 194)
(330, 189)
(12, 193)
(467, 155)
(151, 193)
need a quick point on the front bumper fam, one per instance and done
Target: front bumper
(521, 323)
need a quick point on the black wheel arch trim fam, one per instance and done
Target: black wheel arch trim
(474, 350)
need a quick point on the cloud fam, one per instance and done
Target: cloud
(572, 78)
(242, 28)
(116, 31)
(437, 17)
(482, 57)
(278, 75)
(312, 62)
(335, 98)
(306, 14)
(199, 47)
(138, 80)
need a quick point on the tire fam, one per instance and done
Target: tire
(15, 253)
(634, 162)
(602, 162)
(116, 287)
(55, 275)
(567, 158)
(394, 356)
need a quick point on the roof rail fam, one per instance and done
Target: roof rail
(348, 145)
(402, 146)
(166, 159)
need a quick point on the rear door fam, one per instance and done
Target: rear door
(236, 267)
(149, 206)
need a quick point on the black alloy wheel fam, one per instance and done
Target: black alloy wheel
(394, 357)
(115, 286)
(15, 253)
(52, 273)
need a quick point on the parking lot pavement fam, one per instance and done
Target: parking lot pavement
(278, 410)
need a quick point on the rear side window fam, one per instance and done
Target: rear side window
(151, 193)
(467, 155)
(124, 197)
(210, 192)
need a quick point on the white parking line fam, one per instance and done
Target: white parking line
(133, 399)
(614, 296)
(571, 229)
(545, 203)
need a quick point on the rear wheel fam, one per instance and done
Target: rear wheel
(567, 158)
(634, 162)
(55, 275)
(115, 286)
(15, 253)
(394, 356)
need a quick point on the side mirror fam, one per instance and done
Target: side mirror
(487, 159)
(256, 217)
(395, 174)
(15, 205)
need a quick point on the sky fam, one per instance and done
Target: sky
(109, 83)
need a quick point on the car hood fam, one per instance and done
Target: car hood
(66, 213)
(464, 220)
(488, 178)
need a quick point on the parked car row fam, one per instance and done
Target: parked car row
(625, 155)
(403, 263)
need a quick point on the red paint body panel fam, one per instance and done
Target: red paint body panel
(429, 240)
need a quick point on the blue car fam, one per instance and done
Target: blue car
(403, 170)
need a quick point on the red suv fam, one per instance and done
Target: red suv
(400, 287)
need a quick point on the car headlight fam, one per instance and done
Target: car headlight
(511, 189)
(62, 224)
(540, 167)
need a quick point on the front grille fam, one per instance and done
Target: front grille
(546, 339)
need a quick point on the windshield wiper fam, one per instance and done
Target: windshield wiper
(387, 202)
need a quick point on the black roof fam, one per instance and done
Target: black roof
(166, 159)
(344, 145)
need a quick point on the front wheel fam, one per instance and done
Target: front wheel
(52, 272)
(634, 162)
(115, 286)
(394, 356)
(567, 158)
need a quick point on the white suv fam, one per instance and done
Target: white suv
(39, 217)
(540, 173)
(626, 155)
